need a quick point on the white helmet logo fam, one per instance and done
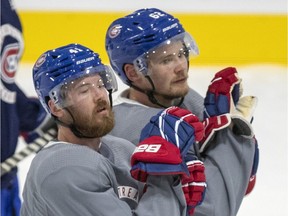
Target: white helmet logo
(115, 31)
(41, 60)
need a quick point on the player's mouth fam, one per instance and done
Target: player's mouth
(101, 109)
(181, 80)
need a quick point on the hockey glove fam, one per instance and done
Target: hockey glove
(46, 124)
(223, 98)
(194, 184)
(211, 125)
(35, 122)
(176, 125)
(155, 156)
(164, 141)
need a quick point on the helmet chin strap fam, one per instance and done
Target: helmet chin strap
(150, 93)
(110, 97)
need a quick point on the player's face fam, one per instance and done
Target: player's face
(90, 108)
(168, 69)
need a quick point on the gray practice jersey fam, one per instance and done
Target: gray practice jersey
(69, 179)
(131, 116)
(228, 162)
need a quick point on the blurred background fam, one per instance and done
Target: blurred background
(250, 35)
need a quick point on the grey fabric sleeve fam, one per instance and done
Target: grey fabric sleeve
(67, 179)
(164, 196)
(66, 194)
(228, 165)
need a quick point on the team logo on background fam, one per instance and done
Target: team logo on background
(9, 62)
(115, 31)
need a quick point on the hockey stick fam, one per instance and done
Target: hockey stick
(31, 148)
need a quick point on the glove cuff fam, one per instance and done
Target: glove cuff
(141, 171)
(242, 127)
(211, 125)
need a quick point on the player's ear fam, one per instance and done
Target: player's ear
(55, 110)
(131, 73)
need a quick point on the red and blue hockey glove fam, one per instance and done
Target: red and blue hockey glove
(223, 102)
(211, 125)
(194, 184)
(176, 125)
(223, 91)
(155, 156)
(164, 142)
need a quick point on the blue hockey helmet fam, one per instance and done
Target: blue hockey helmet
(130, 38)
(59, 67)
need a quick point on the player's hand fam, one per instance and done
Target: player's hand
(176, 125)
(46, 124)
(155, 156)
(41, 122)
(211, 125)
(194, 184)
(164, 142)
(223, 92)
(223, 98)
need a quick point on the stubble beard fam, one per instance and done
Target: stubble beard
(175, 94)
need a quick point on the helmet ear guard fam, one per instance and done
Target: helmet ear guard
(141, 66)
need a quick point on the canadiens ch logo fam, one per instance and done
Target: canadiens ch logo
(115, 31)
(41, 60)
(10, 58)
(11, 53)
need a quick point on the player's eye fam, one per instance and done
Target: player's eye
(167, 60)
(83, 89)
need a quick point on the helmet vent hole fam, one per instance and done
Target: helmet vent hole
(54, 56)
(149, 37)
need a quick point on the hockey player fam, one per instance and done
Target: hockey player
(85, 171)
(19, 114)
(150, 51)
